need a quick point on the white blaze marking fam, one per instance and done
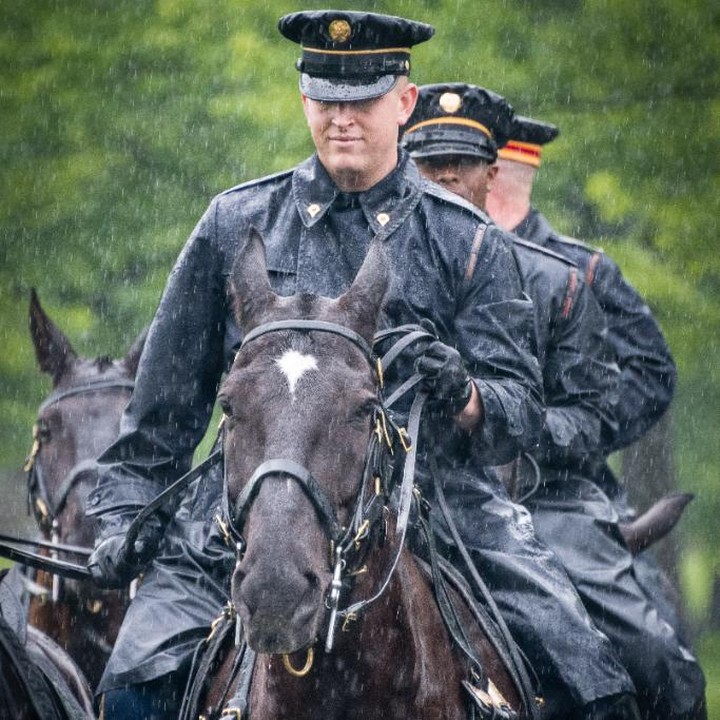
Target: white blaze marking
(294, 365)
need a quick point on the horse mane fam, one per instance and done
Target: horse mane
(103, 362)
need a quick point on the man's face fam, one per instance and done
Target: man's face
(469, 177)
(357, 141)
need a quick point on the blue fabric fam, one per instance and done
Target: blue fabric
(158, 699)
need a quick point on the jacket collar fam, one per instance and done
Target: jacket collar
(535, 227)
(314, 193)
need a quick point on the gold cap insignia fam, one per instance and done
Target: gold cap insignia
(450, 102)
(313, 210)
(339, 31)
(383, 219)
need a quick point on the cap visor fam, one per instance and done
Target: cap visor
(436, 149)
(336, 89)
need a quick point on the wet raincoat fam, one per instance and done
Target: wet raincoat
(577, 508)
(316, 238)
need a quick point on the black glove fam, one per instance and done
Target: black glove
(445, 378)
(113, 564)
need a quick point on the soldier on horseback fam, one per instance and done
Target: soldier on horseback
(454, 136)
(449, 266)
(645, 389)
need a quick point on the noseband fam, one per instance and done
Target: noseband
(375, 482)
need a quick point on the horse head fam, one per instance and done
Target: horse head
(299, 404)
(75, 424)
(79, 419)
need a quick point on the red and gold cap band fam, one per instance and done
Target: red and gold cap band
(521, 152)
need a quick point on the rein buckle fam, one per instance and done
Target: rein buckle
(361, 534)
(231, 712)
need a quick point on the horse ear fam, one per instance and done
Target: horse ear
(132, 357)
(53, 351)
(252, 293)
(362, 302)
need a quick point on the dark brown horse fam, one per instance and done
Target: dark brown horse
(309, 508)
(79, 419)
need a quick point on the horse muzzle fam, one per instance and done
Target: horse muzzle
(282, 611)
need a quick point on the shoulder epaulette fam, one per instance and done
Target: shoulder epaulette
(596, 256)
(543, 250)
(258, 181)
(577, 243)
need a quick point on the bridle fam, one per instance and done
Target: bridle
(47, 506)
(373, 495)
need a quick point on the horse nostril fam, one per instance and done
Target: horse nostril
(313, 580)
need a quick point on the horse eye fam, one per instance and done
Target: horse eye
(43, 432)
(225, 405)
(364, 410)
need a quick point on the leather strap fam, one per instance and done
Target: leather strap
(82, 389)
(61, 547)
(404, 505)
(169, 492)
(310, 326)
(518, 665)
(311, 487)
(72, 571)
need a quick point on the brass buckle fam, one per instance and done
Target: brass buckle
(224, 530)
(361, 533)
(232, 712)
(380, 373)
(228, 613)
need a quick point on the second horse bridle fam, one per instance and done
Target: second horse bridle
(45, 505)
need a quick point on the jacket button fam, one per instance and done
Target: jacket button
(383, 219)
(313, 210)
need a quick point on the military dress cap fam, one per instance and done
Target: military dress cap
(349, 56)
(526, 140)
(458, 119)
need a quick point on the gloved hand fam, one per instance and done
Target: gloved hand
(445, 377)
(113, 564)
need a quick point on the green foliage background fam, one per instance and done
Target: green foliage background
(121, 119)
